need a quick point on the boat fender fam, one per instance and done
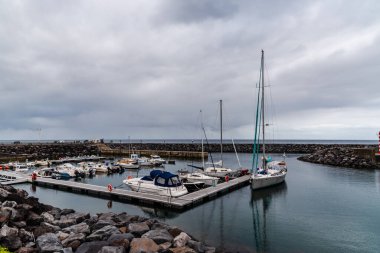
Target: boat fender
(129, 177)
(34, 176)
(110, 188)
(227, 178)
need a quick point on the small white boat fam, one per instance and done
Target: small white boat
(158, 182)
(127, 163)
(67, 170)
(20, 167)
(101, 168)
(44, 172)
(41, 163)
(156, 159)
(199, 177)
(87, 167)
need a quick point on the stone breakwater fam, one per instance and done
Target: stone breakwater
(29, 226)
(360, 158)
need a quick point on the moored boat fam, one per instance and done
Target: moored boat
(271, 172)
(158, 182)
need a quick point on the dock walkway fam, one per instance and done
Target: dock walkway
(10, 177)
(125, 195)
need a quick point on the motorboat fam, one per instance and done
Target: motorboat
(127, 163)
(67, 170)
(158, 182)
(45, 172)
(157, 159)
(193, 186)
(199, 177)
(20, 167)
(41, 163)
(101, 168)
(88, 168)
(270, 172)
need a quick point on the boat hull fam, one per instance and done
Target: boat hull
(149, 187)
(263, 181)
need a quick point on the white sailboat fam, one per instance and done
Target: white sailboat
(217, 169)
(271, 172)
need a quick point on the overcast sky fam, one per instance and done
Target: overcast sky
(113, 69)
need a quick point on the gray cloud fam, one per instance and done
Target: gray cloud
(91, 69)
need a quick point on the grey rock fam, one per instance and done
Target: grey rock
(181, 240)
(92, 220)
(27, 250)
(143, 245)
(25, 236)
(67, 211)
(5, 215)
(48, 243)
(107, 216)
(11, 204)
(19, 224)
(50, 226)
(67, 250)
(49, 218)
(61, 235)
(138, 229)
(12, 242)
(158, 236)
(210, 250)
(112, 249)
(103, 234)
(91, 247)
(197, 246)
(78, 228)
(182, 249)
(73, 237)
(100, 224)
(13, 213)
(79, 217)
(165, 246)
(8, 231)
(34, 219)
(3, 193)
(159, 225)
(56, 212)
(120, 240)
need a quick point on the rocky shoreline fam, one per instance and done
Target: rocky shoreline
(28, 226)
(343, 157)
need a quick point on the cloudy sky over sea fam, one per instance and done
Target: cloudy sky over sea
(113, 69)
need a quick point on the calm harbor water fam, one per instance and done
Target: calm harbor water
(319, 209)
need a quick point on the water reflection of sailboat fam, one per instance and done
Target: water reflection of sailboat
(260, 204)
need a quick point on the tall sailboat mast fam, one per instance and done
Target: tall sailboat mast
(221, 132)
(262, 105)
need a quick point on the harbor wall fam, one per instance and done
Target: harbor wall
(33, 151)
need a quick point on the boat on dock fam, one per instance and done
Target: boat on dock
(158, 182)
(271, 172)
(127, 163)
(198, 177)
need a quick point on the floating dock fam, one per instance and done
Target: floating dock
(125, 195)
(10, 177)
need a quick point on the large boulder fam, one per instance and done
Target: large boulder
(9, 238)
(77, 217)
(45, 228)
(78, 228)
(143, 245)
(34, 219)
(181, 240)
(112, 249)
(101, 223)
(138, 229)
(25, 236)
(67, 211)
(197, 246)
(182, 250)
(120, 240)
(49, 218)
(103, 234)
(90, 247)
(73, 237)
(158, 236)
(7, 203)
(48, 243)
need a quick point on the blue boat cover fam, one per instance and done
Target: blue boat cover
(164, 178)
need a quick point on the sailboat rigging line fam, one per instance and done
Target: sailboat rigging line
(208, 146)
(256, 143)
(237, 157)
